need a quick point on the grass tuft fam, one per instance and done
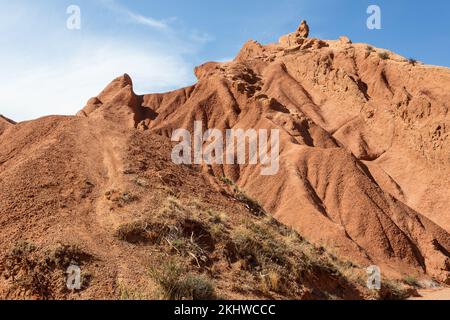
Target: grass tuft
(174, 284)
(384, 55)
(412, 61)
(411, 281)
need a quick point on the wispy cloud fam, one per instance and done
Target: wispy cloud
(166, 25)
(146, 21)
(133, 16)
(200, 37)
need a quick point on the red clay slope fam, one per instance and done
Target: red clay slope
(365, 147)
(364, 163)
(98, 194)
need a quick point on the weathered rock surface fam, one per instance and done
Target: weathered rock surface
(364, 155)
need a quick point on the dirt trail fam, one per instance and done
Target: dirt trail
(112, 164)
(435, 294)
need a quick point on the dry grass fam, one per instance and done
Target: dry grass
(411, 281)
(257, 245)
(121, 199)
(251, 204)
(227, 181)
(370, 49)
(40, 272)
(141, 182)
(271, 259)
(412, 61)
(128, 294)
(384, 55)
(175, 284)
(180, 229)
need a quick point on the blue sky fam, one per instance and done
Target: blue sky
(48, 69)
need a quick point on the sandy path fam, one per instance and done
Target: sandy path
(434, 294)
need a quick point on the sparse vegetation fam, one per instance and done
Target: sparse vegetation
(121, 199)
(39, 272)
(272, 281)
(273, 259)
(181, 229)
(141, 182)
(227, 181)
(253, 205)
(384, 55)
(412, 61)
(392, 290)
(64, 255)
(187, 247)
(411, 281)
(174, 284)
(127, 294)
(217, 217)
(258, 247)
(281, 259)
(127, 198)
(22, 266)
(370, 49)
(200, 287)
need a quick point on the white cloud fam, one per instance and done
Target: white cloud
(64, 88)
(50, 79)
